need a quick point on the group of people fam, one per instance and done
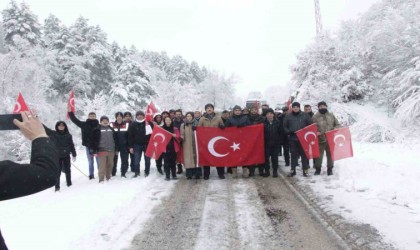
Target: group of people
(126, 139)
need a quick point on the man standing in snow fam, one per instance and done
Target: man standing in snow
(293, 122)
(121, 127)
(178, 121)
(325, 121)
(284, 141)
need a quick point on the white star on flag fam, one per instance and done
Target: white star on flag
(235, 146)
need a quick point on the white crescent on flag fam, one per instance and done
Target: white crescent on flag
(211, 143)
(18, 108)
(310, 133)
(72, 102)
(339, 136)
(161, 136)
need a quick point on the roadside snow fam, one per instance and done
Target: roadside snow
(87, 215)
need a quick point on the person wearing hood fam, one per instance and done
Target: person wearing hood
(64, 144)
(121, 127)
(157, 119)
(325, 121)
(86, 128)
(210, 119)
(104, 143)
(238, 120)
(254, 119)
(293, 122)
(138, 139)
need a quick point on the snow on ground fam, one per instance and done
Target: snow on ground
(87, 215)
(380, 184)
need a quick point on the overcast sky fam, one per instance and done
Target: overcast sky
(256, 39)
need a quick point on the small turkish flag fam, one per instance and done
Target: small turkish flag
(289, 104)
(308, 138)
(71, 103)
(159, 139)
(230, 147)
(340, 144)
(150, 111)
(20, 105)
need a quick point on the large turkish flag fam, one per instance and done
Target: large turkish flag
(308, 138)
(159, 139)
(230, 147)
(71, 103)
(150, 111)
(340, 144)
(20, 105)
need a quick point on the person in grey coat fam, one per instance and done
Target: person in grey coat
(293, 122)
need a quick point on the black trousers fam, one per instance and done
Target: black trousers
(159, 162)
(131, 162)
(170, 163)
(190, 172)
(286, 152)
(273, 154)
(220, 171)
(296, 150)
(64, 165)
(124, 162)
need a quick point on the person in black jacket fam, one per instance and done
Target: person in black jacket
(255, 118)
(138, 137)
(65, 146)
(128, 118)
(17, 180)
(272, 133)
(104, 143)
(178, 121)
(238, 120)
(121, 129)
(86, 127)
(292, 123)
(158, 120)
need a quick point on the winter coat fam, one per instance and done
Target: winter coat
(18, 180)
(284, 138)
(86, 127)
(104, 139)
(62, 139)
(325, 122)
(122, 133)
(237, 121)
(177, 123)
(188, 144)
(173, 145)
(293, 123)
(211, 120)
(272, 133)
(137, 133)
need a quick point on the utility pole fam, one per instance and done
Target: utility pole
(318, 19)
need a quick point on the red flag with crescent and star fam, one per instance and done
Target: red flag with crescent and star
(308, 138)
(150, 111)
(230, 147)
(159, 139)
(20, 105)
(340, 143)
(71, 103)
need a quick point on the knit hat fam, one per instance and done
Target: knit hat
(209, 105)
(104, 117)
(237, 107)
(269, 110)
(165, 112)
(139, 113)
(322, 103)
(296, 104)
(285, 109)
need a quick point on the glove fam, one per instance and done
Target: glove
(221, 126)
(73, 158)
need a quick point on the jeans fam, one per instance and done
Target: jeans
(90, 159)
(138, 151)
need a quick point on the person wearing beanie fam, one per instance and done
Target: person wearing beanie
(238, 120)
(325, 121)
(272, 134)
(245, 111)
(209, 119)
(121, 128)
(104, 143)
(86, 127)
(293, 122)
(138, 138)
(264, 108)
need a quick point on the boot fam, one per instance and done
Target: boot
(229, 170)
(160, 170)
(317, 171)
(123, 176)
(329, 171)
(292, 173)
(180, 171)
(305, 173)
(91, 177)
(275, 174)
(136, 175)
(260, 171)
(245, 171)
(267, 173)
(234, 172)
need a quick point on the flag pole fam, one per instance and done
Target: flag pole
(78, 169)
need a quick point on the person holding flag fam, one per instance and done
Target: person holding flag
(293, 122)
(188, 146)
(172, 148)
(325, 121)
